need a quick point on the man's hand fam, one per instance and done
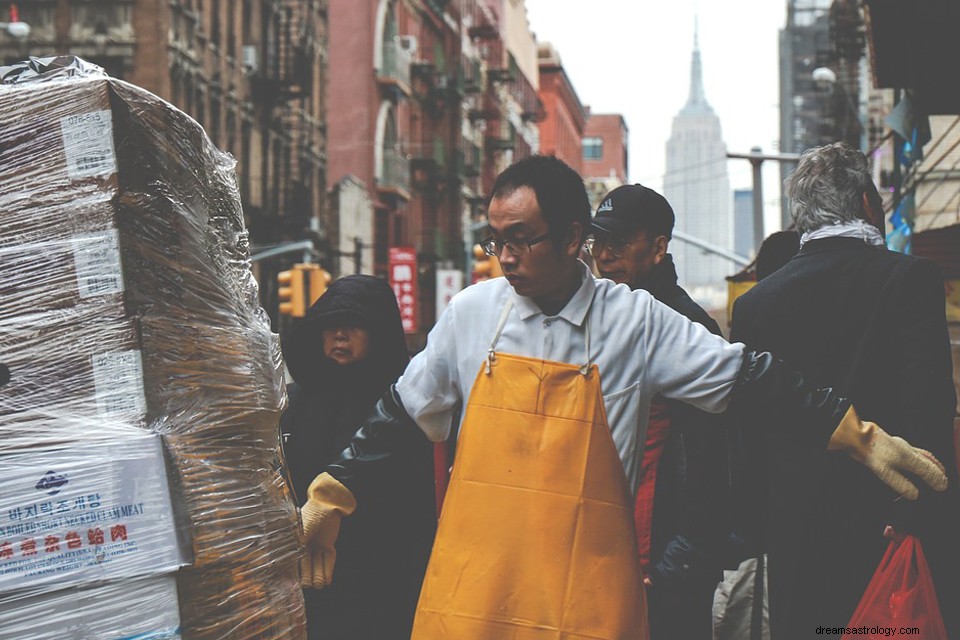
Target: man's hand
(327, 502)
(888, 457)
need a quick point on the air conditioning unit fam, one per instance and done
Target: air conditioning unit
(408, 44)
(250, 57)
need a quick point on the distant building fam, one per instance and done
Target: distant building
(697, 186)
(565, 119)
(744, 242)
(804, 46)
(605, 161)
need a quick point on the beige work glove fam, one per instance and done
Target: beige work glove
(327, 502)
(888, 457)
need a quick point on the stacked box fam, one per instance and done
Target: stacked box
(127, 302)
(144, 609)
(77, 514)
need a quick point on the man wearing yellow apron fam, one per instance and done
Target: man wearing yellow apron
(557, 369)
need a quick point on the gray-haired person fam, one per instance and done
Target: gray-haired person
(871, 323)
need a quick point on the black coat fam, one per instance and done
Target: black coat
(870, 323)
(383, 548)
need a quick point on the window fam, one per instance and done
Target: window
(592, 148)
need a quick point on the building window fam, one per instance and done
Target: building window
(592, 148)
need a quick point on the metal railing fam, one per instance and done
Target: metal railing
(396, 170)
(396, 63)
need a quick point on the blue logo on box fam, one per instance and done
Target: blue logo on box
(51, 482)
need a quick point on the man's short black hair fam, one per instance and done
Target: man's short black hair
(559, 189)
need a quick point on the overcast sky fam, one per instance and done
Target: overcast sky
(633, 57)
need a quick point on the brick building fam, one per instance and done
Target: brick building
(252, 72)
(605, 160)
(561, 132)
(394, 122)
(428, 101)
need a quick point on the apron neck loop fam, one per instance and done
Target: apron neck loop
(585, 369)
(492, 351)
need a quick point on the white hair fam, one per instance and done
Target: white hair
(827, 187)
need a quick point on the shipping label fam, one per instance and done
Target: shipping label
(97, 260)
(118, 380)
(88, 144)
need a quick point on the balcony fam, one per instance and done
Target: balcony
(501, 75)
(395, 69)
(395, 173)
(501, 138)
(531, 107)
(470, 79)
(468, 160)
(429, 163)
(486, 106)
(481, 19)
(434, 90)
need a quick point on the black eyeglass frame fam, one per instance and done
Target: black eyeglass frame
(493, 247)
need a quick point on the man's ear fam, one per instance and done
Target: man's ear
(575, 238)
(660, 248)
(873, 210)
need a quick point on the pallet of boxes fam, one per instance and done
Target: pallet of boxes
(141, 492)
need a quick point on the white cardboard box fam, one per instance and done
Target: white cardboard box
(144, 609)
(86, 512)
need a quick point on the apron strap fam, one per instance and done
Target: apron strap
(585, 369)
(491, 352)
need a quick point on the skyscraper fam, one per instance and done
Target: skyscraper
(698, 187)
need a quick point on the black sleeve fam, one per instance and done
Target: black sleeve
(388, 437)
(768, 384)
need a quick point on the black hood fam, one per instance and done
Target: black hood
(358, 300)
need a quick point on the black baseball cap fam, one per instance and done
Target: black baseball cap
(633, 207)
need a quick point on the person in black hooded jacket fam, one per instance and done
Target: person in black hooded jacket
(342, 356)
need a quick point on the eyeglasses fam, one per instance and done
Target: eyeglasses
(494, 247)
(595, 246)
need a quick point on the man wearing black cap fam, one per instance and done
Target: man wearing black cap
(678, 510)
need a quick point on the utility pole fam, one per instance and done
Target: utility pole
(756, 158)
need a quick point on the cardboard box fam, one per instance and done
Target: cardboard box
(55, 274)
(67, 364)
(94, 511)
(75, 144)
(170, 337)
(131, 609)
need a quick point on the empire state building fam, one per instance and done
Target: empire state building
(698, 188)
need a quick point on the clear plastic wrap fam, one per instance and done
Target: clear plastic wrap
(130, 322)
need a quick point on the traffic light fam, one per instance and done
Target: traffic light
(291, 292)
(318, 281)
(484, 266)
(300, 287)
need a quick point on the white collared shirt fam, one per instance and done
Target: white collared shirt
(641, 347)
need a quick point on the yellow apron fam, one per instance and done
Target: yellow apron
(536, 540)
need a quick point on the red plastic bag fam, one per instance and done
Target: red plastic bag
(900, 596)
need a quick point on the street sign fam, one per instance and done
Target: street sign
(449, 282)
(403, 280)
